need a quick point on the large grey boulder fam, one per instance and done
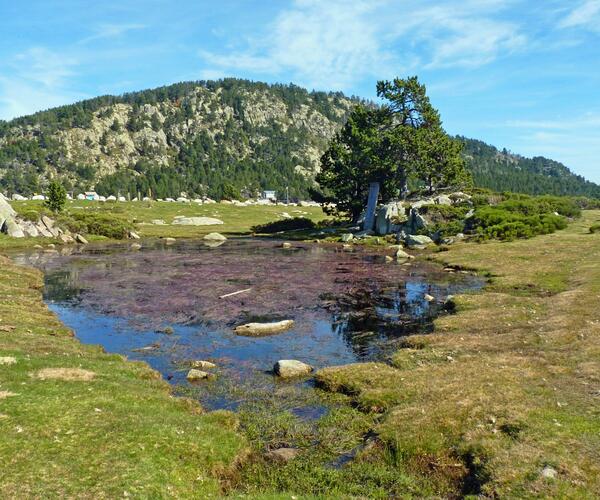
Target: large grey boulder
(6, 211)
(418, 240)
(389, 217)
(288, 368)
(13, 229)
(215, 237)
(197, 221)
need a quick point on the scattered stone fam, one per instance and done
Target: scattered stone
(195, 374)
(158, 222)
(258, 329)
(167, 330)
(7, 360)
(429, 298)
(80, 239)
(287, 368)
(133, 235)
(69, 374)
(401, 255)
(346, 247)
(215, 237)
(282, 455)
(346, 237)
(170, 241)
(135, 246)
(286, 244)
(389, 259)
(197, 221)
(443, 200)
(51, 246)
(549, 472)
(202, 365)
(7, 328)
(38, 247)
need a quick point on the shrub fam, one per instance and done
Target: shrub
(100, 224)
(595, 228)
(500, 223)
(31, 215)
(277, 226)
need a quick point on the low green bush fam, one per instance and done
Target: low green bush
(595, 228)
(503, 224)
(31, 215)
(277, 226)
(97, 223)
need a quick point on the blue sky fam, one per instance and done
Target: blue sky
(519, 74)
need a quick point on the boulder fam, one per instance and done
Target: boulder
(282, 455)
(428, 298)
(202, 365)
(259, 329)
(170, 241)
(287, 368)
(401, 255)
(135, 246)
(346, 237)
(215, 237)
(388, 218)
(80, 239)
(195, 374)
(158, 222)
(12, 229)
(6, 211)
(417, 240)
(133, 235)
(443, 200)
(286, 245)
(47, 221)
(197, 221)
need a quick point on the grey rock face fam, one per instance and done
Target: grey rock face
(389, 217)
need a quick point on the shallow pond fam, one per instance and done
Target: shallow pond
(348, 306)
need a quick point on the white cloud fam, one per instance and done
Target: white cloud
(104, 31)
(586, 14)
(337, 43)
(36, 79)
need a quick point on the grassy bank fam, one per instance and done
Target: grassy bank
(77, 422)
(504, 398)
(236, 220)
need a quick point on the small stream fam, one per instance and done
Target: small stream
(348, 306)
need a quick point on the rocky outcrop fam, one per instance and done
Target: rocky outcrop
(215, 237)
(16, 227)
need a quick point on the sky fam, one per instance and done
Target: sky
(519, 74)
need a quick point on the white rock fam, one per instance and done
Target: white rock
(287, 368)
(257, 329)
(215, 237)
(197, 221)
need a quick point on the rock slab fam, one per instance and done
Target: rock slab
(288, 368)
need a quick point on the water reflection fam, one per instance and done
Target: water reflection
(347, 306)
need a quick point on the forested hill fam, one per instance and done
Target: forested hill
(203, 138)
(214, 138)
(505, 171)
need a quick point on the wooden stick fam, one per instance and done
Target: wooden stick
(234, 293)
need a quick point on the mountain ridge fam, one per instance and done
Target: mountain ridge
(217, 138)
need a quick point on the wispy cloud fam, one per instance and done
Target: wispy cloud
(586, 14)
(106, 31)
(334, 44)
(36, 79)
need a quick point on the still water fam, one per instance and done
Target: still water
(348, 306)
